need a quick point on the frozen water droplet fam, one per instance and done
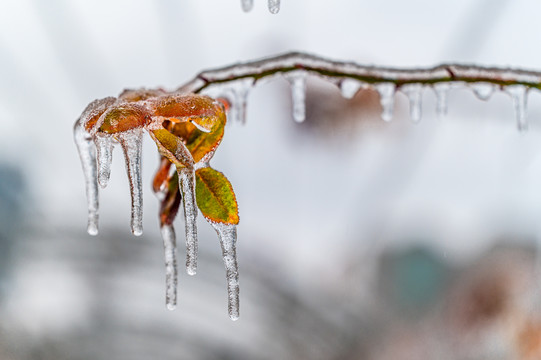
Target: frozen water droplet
(349, 87)
(386, 94)
(247, 5)
(171, 275)
(483, 90)
(131, 143)
(297, 81)
(87, 154)
(228, 240)
(274, 6)
(186, 179)
(414, 93)
(104, 145)
(442, 90)
(519, 94)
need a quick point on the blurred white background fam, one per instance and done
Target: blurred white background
(324, 205)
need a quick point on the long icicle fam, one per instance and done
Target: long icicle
(228, 240)
(104, 146)
(186, 179)
(87, 154)
(131, 143)
(171, 272)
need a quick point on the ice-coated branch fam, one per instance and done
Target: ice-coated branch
(370, 74)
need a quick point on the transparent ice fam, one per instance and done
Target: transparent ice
(441, 90)
(247, 5)
(414, 93)
(171, 274)
(239, 95)
(131, 143)
(104, 146)
(297, 81)
(87, 154)
(349, 87)
(274, 6)
(186, 179)
(519, 94)
(386, 94)
(483, 90)
(228, 241)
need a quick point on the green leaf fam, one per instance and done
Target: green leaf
(215, 197)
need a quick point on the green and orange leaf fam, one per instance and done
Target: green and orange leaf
(124, 117)
(172, 147)
(215, 197)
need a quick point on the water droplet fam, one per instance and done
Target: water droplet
(386, 94)
(483, 90)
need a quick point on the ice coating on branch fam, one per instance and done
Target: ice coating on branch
(414, 93)
(519, 94)
(247, 5)
(483, 90)
(386, 95)
(186, 179)
(171, 275)
(297, 81)
(228, 240)
(441, 90)
(104, 146)
(131, 143)
(274, 6)
(350, 87)
(87, 154)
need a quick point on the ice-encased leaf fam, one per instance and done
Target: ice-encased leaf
(297, 81)
(104, 145)
(171, 201)
(519, 94)
(186, 178)
(123, 117)
(247, 5)
(92, 113)
(172, 147)
(131, 143)
(171, 272)
(159, 182)
(215, 197)
(441, 90)
(386, 94)
(274, 6)
(414, 93)
(350, 87)
(87, 154)
(228, 241)
(483, 90)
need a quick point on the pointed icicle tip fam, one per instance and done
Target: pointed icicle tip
(274, 6)
(297, 82)
(414, 92)
(519, 94)
(247, 5)
(483, 90)
(386, 94)
(171, 272)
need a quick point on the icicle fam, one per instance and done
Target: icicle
(104, 145)
(228, 241)
(87, 154)
(186, 179)
(171, 274)
(131, 143)
(239, 91)
(386, 94)
(519, 94)
(483, 90)
(349, 87)
(441, 89)
(297, 81)
(274, 6)
(414, 93)
(247, 5)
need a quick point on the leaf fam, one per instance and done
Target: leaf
(171, 202)
(160, 178)
(94, 110)
(124, 117)
(215, 197)
(172, 147)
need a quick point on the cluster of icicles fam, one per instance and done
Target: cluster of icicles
(95, 151)
(238, 91)
(274, 5)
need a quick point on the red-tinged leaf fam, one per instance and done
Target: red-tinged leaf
(131, 95)
(94, 110)
(160, 178)
(215, 197)
(172, 147)
(171, 202)
(124, 117)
